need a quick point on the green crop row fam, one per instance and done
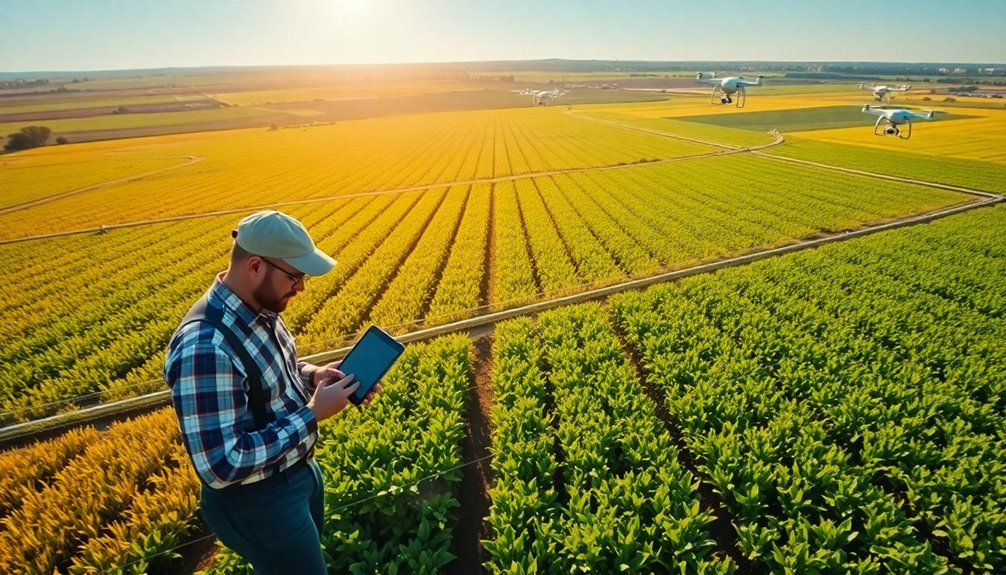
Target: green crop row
(586, 476)
(975, 174)
(847, 403)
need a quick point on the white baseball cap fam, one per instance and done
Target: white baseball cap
(274, 234)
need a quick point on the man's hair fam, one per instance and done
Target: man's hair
(239, 254)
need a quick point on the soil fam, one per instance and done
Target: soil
(199, 555)
(473, 495)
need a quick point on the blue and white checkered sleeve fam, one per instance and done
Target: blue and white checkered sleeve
(306, 372)
(209, 397)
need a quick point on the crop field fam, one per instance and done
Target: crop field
(962, 151)
(847, 404)
(247, 169)
(80, 103)
(126, 121)
(982, 136)
(825, 118)
(971, 173)
(25, 183)
(529, 238)
(835, 410)
(834, 435)
(337, 91)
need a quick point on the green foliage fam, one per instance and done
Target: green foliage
(847, 403)
(976, 174)
(587, 478)
(392, 469)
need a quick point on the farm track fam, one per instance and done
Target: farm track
(133, 178)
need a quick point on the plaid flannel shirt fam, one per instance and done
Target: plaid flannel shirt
(209, 390)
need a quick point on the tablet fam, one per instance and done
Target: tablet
(368, 361)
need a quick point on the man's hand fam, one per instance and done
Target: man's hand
(332, 395)
(373, 391)
(330, 371)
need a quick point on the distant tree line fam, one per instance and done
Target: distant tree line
(29, 137)
(971, 81)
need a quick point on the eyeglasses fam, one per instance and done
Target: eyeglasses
(293, 278)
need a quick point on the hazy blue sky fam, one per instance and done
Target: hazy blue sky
(116, 34)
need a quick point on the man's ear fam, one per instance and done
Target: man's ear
(254, 266)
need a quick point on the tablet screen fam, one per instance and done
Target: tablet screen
(370, 359)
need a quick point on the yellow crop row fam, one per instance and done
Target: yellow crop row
(253, 168)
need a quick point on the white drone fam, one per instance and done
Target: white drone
(727, 86)
(895, 117)
(883, 93)
(539, 97)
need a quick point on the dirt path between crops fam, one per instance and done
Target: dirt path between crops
(133, 178)
(476, 479)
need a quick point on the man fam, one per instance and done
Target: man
(247, 409)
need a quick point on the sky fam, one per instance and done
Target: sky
(77, 35)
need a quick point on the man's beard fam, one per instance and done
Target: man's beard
(269, 300)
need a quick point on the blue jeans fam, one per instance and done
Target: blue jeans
(274, 524)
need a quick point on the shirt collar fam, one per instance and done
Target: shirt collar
(238, 307)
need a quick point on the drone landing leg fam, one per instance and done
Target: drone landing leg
(909, 134)
(741, 96)
(877, 127)
(712, 97)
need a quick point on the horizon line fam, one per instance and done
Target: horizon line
(494, 61)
